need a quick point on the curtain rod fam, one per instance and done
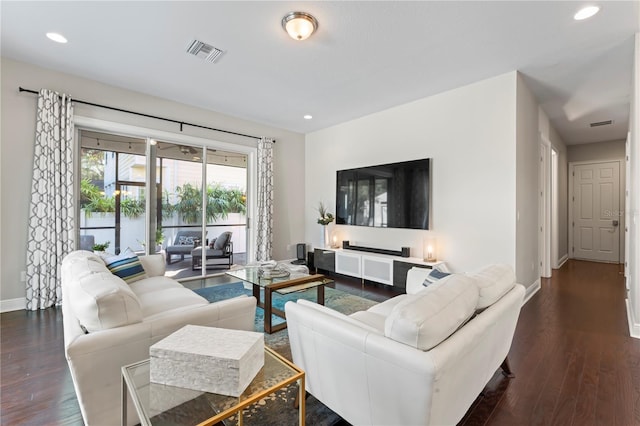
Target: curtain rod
(181, 123)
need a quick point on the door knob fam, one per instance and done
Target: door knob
(615, 223)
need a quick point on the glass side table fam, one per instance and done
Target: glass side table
(157, 403)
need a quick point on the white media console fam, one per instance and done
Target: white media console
(380, 268)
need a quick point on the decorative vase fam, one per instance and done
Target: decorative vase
(327, 242)
(324, 237)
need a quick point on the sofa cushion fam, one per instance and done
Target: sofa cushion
(153, 284)
(153, 264)
(385, 308)
(373, 320)
(80, 263)
(430, 316)
(101, 301)
(168, 299)
(127, 266)
(493, 281)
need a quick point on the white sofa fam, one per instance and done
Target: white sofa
(415, 359)
(109, 323)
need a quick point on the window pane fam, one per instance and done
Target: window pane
(181, 206)
(132, 218)
(226, 202)
(97, 210)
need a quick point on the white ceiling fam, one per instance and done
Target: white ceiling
(365, 56)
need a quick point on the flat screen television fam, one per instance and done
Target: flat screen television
(393, 195)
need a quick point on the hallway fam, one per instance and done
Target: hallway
(574, 361)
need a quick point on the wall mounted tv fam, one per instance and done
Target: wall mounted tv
(396, 195)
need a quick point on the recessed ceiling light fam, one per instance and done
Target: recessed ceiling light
(586, 12)
(308, 117)
(58, 38)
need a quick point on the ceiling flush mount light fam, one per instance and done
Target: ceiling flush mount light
(586, 12)
(308, 117)
(299, 25)
(58, 38)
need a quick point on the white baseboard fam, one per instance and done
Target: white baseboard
(13, 304)
(634, 326)
(531, 290)
(563, 260)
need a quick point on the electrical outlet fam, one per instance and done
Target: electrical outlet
(23, 276)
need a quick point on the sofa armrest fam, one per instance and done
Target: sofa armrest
(415, 278)
(153, 265)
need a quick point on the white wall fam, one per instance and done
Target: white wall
(547, 130)
(469, 132)
(527, 165)
(633, 209)
(18, 130)
(613, 150)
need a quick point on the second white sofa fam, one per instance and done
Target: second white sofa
(109, 323)
(415, 359)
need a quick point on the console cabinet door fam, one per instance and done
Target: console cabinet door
(324, 259)
(378, 269)
(348, 264)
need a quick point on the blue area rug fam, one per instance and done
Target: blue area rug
(285, 414)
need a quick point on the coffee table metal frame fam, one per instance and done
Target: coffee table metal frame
(129, 386)
(282, 286)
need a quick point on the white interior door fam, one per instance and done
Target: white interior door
(596, 208)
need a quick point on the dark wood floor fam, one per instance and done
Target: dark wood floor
(574, 361)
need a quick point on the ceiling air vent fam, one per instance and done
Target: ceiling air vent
(204, 51)
(601, 123)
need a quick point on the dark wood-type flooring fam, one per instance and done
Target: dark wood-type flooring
(574, 361)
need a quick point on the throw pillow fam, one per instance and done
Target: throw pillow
(185, 241)
(494, 281)
(127, 266)
(434, 276)
(222, 240)
(430, 316)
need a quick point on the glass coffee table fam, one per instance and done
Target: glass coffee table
(163, 404)
(290, 283)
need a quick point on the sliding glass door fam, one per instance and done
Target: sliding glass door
(197, 194)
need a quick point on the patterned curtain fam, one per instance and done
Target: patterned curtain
(51, 213)
(264, 223)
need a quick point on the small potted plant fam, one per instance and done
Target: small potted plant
(100, 247)
(159, 239)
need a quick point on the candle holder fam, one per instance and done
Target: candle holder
(430, 251)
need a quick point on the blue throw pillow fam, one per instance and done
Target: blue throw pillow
(127, 266)
(434, 276)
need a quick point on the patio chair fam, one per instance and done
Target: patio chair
(220, 248)
(183, 244)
